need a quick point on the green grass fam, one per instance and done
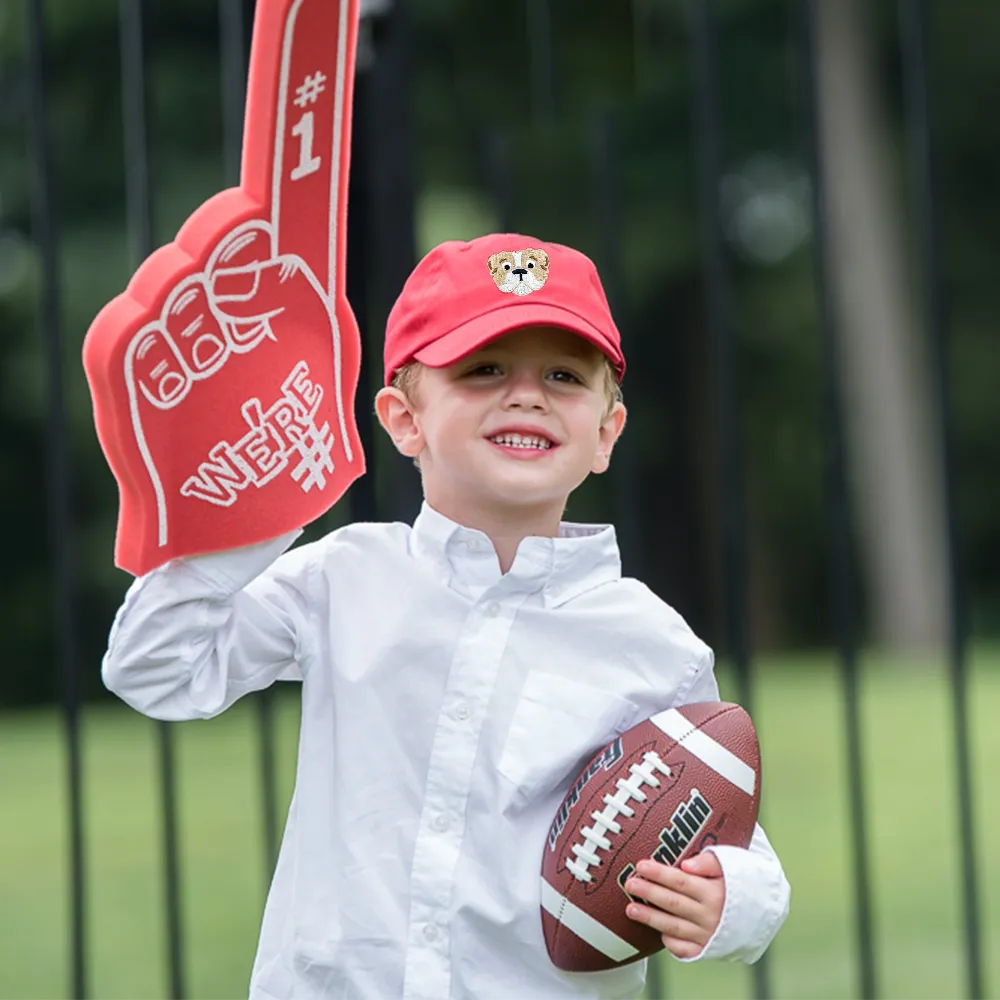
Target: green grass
(910, 790)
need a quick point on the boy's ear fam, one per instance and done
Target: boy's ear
(611, 429)
(398, 418)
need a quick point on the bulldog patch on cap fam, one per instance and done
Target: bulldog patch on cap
(519, 271)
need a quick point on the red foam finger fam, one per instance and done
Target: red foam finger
(235, 286)
(253, 292)
(223, 377)
(309, 183)
(201, 341)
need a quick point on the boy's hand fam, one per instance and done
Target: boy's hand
(684, 904)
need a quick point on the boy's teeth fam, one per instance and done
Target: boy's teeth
(521, 441)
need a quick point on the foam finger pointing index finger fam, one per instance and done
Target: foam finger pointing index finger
(298, 126)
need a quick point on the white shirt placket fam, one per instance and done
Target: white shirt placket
(471, 679)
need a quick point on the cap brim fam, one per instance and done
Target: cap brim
(478, 332)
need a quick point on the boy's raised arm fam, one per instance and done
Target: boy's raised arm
(196, 634)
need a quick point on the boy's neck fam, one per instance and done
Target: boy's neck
(506, 528)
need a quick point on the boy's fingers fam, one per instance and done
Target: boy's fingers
(667, 923)
(663, 898)
(680, 948)
(682, 882)
(705, 864)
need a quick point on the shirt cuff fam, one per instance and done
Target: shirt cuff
(232, 569)
(757, 896)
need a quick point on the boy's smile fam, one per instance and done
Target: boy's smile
(523, 441)
(511, 429)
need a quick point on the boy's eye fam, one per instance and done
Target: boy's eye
(484, 369)
(562, 375)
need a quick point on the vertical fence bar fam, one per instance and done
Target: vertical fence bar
(138, 192)
(392, 208)
(624, 467)
(59, 480)
(718, 305)
(233, 75)
(839, 504)
(538, 17)
(607, 199)
(496, 157)
(708, 116)
(135, 115)
(232, 78)
(640, 18)
(916, 72)
(362, 497)
(268, 780)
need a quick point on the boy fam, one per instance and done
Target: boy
(454, 674)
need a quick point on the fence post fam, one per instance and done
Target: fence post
(718, 301)
(58, 480)
(607, 199)
(391, 211)
(363, 497)
(496, 163)
(138, 191)
(913, 18)
(538, 15)
(839, 507)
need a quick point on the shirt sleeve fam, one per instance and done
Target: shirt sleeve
(194, 635)
(757, 892)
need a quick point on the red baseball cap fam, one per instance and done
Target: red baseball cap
(463, 295)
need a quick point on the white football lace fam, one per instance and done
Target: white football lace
(595, 837)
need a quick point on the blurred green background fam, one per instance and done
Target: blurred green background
(488, 135)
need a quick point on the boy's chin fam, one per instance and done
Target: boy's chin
(527, 492)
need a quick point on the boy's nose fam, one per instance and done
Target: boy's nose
(526, 393)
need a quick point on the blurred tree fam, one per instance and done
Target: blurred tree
(892, 444)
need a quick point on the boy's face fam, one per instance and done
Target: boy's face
(520, 423)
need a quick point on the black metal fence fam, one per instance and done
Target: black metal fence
(381, 252)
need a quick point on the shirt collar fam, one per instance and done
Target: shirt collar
(583, 556)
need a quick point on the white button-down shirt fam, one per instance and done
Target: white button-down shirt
(446, 709)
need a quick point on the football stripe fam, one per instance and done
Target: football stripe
(715, 755)
(585, 926)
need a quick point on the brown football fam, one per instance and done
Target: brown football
(665, 789)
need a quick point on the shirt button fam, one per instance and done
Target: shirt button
(462, 711)
(440, 823)
(430, 932)
(492, 609)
